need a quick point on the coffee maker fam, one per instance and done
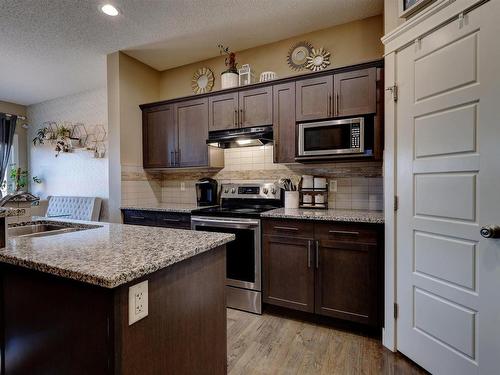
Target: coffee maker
(206, 192)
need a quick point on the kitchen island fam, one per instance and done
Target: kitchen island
(65, 301)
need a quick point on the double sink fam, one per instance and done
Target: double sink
(41, 229)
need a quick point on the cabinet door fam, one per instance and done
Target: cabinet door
(347, 281)
(355, 92)
(159, 138)
(192, 121)
(314, 98)
(284, 122)
(288, 272)
(223, 111)
(256, 107)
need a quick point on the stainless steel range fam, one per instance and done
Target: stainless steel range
(239, 213)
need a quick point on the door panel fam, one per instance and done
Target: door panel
(284, 123)
(288, 272)
(447, 274)
(256, 107)
(355, 92)
(223, 112)
(314, 99)
(159, 137)
(192, 121)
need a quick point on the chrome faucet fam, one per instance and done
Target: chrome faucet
(18, 196)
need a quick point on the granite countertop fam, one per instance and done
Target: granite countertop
(8, 212)
(165, 207)
(109, 255)
(357, 216)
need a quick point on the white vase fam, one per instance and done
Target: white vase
(228, 80)
(291, 199)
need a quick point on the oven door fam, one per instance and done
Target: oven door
(335, 138)
(243, 256)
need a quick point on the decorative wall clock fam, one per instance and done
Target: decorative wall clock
(319, 59)
(297, 55)
(203, 81)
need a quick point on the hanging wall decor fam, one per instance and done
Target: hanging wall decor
(319, 59)
(203, 81)
(297, 55)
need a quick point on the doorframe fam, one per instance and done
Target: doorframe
(434, 16)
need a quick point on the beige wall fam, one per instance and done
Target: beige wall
(17, 109)
(391, 15)
(349, 44)
(130, 83)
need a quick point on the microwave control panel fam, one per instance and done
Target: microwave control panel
(355, 136)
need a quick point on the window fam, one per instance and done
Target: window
(13, 162)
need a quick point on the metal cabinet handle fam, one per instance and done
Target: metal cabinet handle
(171, 220)
(137, 217)
(345, 232)
(309, 254)
(287, 228)
(235, 117)
(330, 105)
(241, 117)
(490, 231)
(337, 104)
(317, 254)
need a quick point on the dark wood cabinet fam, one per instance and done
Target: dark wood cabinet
(256, 107)
(159, 137)
(331, 269)
(191, 118)
(314, 98)
(223, 112)
(179, 220)
(288, 273)
(284, 122)
(355, 92)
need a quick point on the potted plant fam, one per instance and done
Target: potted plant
(229, 77)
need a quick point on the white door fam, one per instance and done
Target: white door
(448, 183)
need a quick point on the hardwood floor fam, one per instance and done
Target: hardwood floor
(270, 344)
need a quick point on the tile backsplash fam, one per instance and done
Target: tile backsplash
(359, 184)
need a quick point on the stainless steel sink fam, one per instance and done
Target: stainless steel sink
(37, 230)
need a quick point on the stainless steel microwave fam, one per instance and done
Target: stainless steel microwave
(331, 138)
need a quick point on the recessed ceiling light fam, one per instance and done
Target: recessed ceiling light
(110, 10)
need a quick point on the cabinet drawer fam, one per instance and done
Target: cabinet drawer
(174, 220)
(292, 228)
(139, 217)
(346, 232)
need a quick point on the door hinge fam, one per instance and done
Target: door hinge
(396, 311)
(394, 91)
(396, 203)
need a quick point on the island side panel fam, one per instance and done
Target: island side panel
(185, 330)
(52, 325)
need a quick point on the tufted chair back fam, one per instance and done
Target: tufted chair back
(79, 208)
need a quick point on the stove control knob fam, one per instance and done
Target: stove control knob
(273, 191)
(233, 190)
(265, 191)
(226, 191)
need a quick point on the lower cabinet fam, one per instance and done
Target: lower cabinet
(178, 220)
(331, 269)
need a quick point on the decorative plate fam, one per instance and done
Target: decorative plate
(297, 55)
(203, 81)
(318, 59)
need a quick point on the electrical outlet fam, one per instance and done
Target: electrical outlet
(333, 186)
(183, 186)
(137, 302)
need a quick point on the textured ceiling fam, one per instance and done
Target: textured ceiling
(52, 48)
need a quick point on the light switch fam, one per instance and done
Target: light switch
(333, 186)
(137, 302)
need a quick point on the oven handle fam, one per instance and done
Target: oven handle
(205, 221)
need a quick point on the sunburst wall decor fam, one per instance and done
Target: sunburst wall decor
(203, 81)
(297, 55)
(318, 59)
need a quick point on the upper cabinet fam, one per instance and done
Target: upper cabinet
(159, 137)
(355, 92)
(256, 107)
(192, 122)
(223, 112)
(284, 122)
(314, 98)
